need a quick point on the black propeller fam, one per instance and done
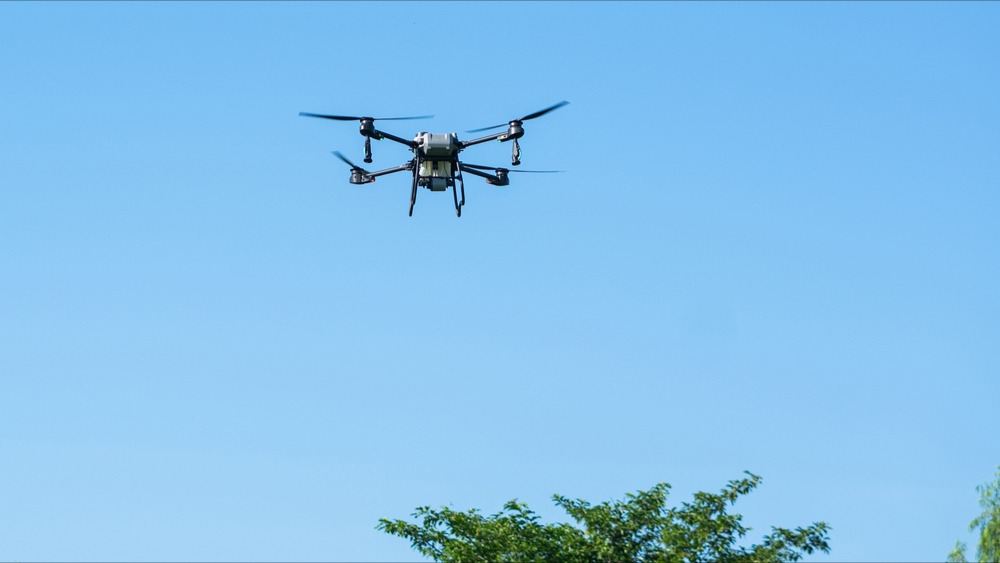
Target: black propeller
(481, 167)
(358, 175)
(349, 163)
(538, 113)
(360, 118)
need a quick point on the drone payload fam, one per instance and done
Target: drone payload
(435, 164)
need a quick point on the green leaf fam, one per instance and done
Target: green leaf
(640, 528)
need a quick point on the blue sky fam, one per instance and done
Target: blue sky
(775, 249)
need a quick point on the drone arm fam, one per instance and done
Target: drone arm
(379, 135)
(400, 168)
(474, 172)
(482, 139)
(490, 178)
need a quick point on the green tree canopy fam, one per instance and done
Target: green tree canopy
(988, 524)
(957, 554)
(640, 528)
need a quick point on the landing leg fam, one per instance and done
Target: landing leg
(413, 194)
(458, 182)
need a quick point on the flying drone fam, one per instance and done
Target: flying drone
(435, 164)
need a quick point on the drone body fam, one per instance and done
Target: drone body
(435, 164)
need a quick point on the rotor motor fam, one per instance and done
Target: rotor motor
(358, 176)
(514, 131)
(368, 126)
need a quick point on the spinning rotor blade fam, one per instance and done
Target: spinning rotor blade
(481, 167)
(336, 117)
(349, 163)
(398, 118)
(538, 113)
(359, 118)
(486, 128)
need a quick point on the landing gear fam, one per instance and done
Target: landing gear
(458, 181)
(416, 174)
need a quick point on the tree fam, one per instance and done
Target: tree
(957, 554)
(640, 528)
(989, 521)
(988, 524)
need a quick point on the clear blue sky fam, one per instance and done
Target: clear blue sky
(776, 248)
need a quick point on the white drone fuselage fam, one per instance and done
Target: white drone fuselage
(438, 153)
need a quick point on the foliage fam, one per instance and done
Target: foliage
(957, 554)
(640, 528)
(988, 524)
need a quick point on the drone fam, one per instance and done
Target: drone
(435, 164)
